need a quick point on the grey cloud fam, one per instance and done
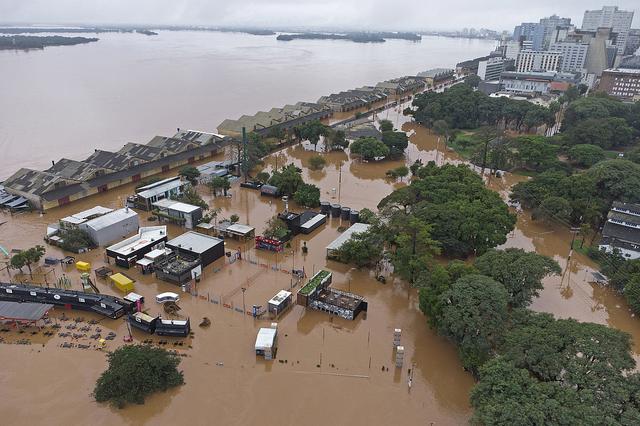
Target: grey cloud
(357, 14)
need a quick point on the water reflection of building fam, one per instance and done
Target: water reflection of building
(622, 230)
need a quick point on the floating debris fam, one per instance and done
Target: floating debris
(206, 322)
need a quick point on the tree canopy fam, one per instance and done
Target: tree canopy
(27, 258)
(463, 108)
(465, 216)
(520, 272)
(190, 173)
(136, 371)
(307, 195)
(287, 179)
(474, 312)
(397, 142)
(362, 249)
(369, 148)
(586, 155)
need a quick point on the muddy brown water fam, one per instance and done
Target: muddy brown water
(326, 368)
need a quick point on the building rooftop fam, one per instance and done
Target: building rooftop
(172, 145)
(435, 72)
(36, 182)
(240, 229)
(195, 242)
(146, 235)
(75, 170)
(108, 160)
(142, 152)
(630, 71)
(159, 187)
(614, 231)
(265, 119)
(111, 218)
(346, 235)
(85, 215)
(266, 338)
(201, 138)
(175, 205)
(280, 297)
(23, 311)
(629, 208)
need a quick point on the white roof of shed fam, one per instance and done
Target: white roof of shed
(112, 218)
(240, 229)
(146, 235)
(346, 235)
(314, 220)
(280, 297)
(82, 216)
(266, 338)
(176, 206)
(195, 242)
(159, 187)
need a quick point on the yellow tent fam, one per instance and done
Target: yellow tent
(122, 282)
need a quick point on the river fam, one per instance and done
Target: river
(66, 101)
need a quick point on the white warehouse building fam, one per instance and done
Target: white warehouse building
(111, 227)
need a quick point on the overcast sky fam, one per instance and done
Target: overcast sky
(363, 14)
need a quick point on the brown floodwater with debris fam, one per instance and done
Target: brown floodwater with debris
(327, 368)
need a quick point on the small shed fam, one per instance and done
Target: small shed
(122, 282)
(236, 231)
(269, 190)
(280, 302)
(266, 342)
(183, 214)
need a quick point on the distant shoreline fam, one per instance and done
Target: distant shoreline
(21, 42)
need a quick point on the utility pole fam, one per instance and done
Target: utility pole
(245, 159)
(339, 182)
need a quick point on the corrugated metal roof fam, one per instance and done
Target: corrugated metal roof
(112, 218)
(24, 311)
(346, 235)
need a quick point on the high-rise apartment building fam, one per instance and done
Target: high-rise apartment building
(574, 55)
(549, 26)
(610, 17)
(535, 60)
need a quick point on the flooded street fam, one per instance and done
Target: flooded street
(326, 367)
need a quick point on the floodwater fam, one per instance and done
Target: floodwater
(325, 366)
(66, 101)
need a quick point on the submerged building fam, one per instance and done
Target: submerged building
(276, 119)
(317, 294)
(70, 180)
(621, 232)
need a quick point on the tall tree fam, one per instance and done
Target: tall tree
(474, 315)
(519, 271)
